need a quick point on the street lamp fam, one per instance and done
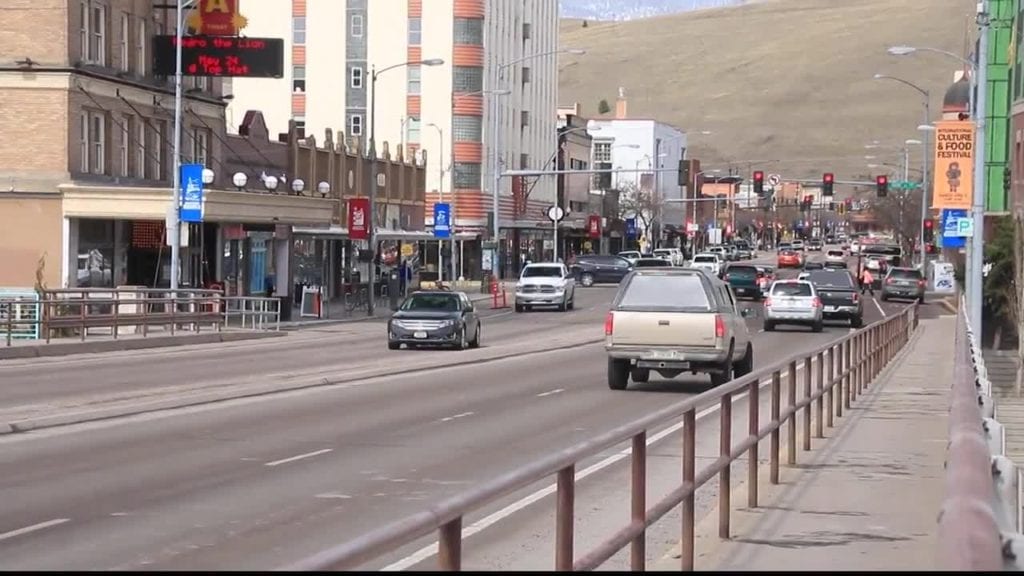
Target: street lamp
(440, 198)
(180, 7)
(239, 179)
(298, 185)
(324, 188)
(374, 74)
(499, 79)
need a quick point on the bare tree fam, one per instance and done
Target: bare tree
(638, 202)
(900, 211)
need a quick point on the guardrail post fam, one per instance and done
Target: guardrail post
(638, 504)
(819, 424)
(10, 322)
(174, 310)
(725, 476)
(564, 517)
(689, 475)
(775, 448)
(808, 375)
(848, 378)
(754, 426)
(855, 366)
(830, 389)
(82, 312)
(791, 411)
(449, 546)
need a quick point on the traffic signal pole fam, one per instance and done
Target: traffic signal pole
(974, 297)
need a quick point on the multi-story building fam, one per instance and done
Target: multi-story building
(333, 47)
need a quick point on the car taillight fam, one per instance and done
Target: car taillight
(921, 282)
(767, 302)
(719, 326)
(727, 277)
(856, 297)
(816, 302)
(609, 323)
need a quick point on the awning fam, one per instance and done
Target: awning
(382, 234)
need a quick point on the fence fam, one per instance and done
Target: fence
(19, 314)
(833, 378)
(252, 312)
(980, 520)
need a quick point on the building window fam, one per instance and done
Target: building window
(527, 74)
(602, 151)
(298, 78)
(414, 76)
(201, 147)
(524, 118)
(357, 77)
(123, 151)
(158, 151)
(466, 176)
(299, 30)
(83, 141)
(415, 31)
(140, 48)
(93, 33)
(524, 161)
(467, 128)
(527, 30)
(357, 26)
(126, 27)
(300, 128)
(201, 83)
(355, 125)
(412, 130)
(468, 79)
(140, 148)
(97, 142)
(469, 31)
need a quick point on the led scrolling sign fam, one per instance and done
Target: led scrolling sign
(227, 56)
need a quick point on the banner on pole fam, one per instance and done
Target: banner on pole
(953, 183)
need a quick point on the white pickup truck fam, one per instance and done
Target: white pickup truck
(708, 261)
(673, 321)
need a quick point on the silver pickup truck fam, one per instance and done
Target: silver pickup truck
(673, 321)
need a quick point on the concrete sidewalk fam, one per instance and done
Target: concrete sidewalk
(869, 497)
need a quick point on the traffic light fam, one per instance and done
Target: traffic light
(929, 230)
(684, 173)
(882, 185)
(759, 183)
(827, 180)
(831, 206)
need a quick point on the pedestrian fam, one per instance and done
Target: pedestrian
(867, 281)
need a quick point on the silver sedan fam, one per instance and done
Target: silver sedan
(793, 302)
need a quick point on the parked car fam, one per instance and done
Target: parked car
(630, 255)
(839, 295)
(792, 302)
(545, 284)
(673, 321)
(592, 269)
(435, 318)
(711, 262)
(789, 259)
(673, 255)
(744, 280)
(906, 283)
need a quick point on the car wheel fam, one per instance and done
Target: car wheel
(769, 326)
(394, 345)
(587, 280)
(640, 375)
(475, 343)
(885, 298)
(746, 365)
(572, 302)
(563, 306)
(519, 307)
(857, 322)
(618, 374)
(462, 345)
(817, 326)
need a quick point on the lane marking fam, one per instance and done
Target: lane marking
(299, 457)
(484, 523)
(551, 392)
(32, 528)
(879, 306)
(457, 416)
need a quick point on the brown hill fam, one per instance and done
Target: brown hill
(787, 80)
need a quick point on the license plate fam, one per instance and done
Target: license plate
(419, 335)
(662, 355)
(831, 308)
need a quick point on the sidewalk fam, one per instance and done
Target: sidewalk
(866, 499)
(94, 344)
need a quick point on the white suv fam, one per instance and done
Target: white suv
(672, 254)
(545, 284)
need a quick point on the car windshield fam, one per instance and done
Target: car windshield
(835, 253)
(784, 246)
(542, 272)
(629, 254)
(831, 279)
(667, 291)
(431, 303)
(706, 259)
(742, 244)
(905, 274)
(792, 289)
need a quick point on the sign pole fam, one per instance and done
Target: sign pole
(978, 205)
(175, 234)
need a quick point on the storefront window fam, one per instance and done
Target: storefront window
(95, 254)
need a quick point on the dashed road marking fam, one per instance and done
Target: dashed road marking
(456, 417)
(551, 392)
(299, 457)
(33, 528)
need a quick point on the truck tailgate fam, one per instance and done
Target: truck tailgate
(663, 329)
(831, 297)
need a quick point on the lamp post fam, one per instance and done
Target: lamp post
(924, 162)
(496, 156)
(180, 7)
(372, 226)
(440, 199)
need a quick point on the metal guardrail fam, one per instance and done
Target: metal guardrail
(844, 369)
(980, 518)
(77, 312)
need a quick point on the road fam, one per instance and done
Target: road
(258, 483)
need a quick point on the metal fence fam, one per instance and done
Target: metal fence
(980, 518)
(253, 312)
(833, 377)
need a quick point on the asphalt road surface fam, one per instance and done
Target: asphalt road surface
(259, 483)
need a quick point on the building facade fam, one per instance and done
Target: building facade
(486, 46)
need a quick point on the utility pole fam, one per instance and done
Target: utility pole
(978, 209)
(175, 234)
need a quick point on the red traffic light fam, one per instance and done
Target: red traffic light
(881, 180)
(828, 178)
(929, 223)
(758, 176)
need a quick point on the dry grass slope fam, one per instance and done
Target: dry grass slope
(787, 80)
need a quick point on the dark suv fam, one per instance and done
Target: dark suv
(592, 269)
(904, 283)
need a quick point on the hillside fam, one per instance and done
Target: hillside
(619, 10)
(787, 80)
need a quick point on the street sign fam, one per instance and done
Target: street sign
(630, 227)
(774, 179)
(904, 185)
(965, 227)
(191, 193)
(949, 228)
(442, 220)
(556, 213)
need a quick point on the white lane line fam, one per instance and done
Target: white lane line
(32, 528)
(879, 306)
(484, 523)
(457, 416)
(498, 315)
(299, 457)
(551, 392)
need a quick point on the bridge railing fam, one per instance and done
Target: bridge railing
(834, 376)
